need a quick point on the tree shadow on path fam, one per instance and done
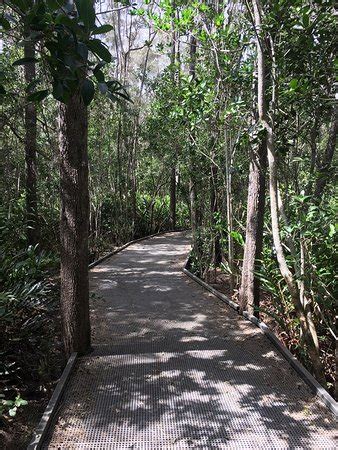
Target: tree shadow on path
(173, 367)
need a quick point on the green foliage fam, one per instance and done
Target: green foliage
(314, 227)
(153, 214)
(70, 51)
(10, 407)
(196, 121)
(27, 299)
(221, 228)
(201, 254)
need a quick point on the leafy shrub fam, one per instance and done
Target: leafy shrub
(25, 306)
(314, 226)
(27, 300)
(153, 214)
(201, 254)
(10, 407)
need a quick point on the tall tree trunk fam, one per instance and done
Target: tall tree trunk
(173, 198)
(228, 161)
(217, 252)
(173, 168)
(30, 151)
(249, 290)
(193, 214)
(313, 147)
(74, 225)
(324, 170)
(192, 182)
(305, 320)
(133, 181)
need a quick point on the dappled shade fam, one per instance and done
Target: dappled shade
(173, 367)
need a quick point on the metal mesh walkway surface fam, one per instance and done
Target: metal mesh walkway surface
(174, 368)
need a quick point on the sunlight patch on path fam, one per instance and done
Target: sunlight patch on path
(175, 368)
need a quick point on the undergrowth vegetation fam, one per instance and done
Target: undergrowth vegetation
(28, 309)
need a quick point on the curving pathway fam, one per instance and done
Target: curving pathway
(175, 368)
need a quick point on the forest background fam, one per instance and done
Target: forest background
(220, 117)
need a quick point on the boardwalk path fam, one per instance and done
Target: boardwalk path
(173, 367)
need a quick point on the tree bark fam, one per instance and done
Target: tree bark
(30, 151)
(74, 226)
(192, 184)
(249, 291)
(324, 171)
(229, 216)
(193, 214)
(217, 251)
(173, 168)
(133, 180)
(173, 198)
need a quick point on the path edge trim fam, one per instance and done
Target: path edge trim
(291, 359)
(41, 430)
(127, 244)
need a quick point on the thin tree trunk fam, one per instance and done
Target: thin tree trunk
(192, 183)
(173, 168)
(192, 198)
(324, 171)
(228, 158)
(74, 226)
(30, 151)
(306, 322)
(133, 180)
(173, 198)
(217, 253)
(313, 144)
(119, 163)
(313, 148)
(249, 292)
